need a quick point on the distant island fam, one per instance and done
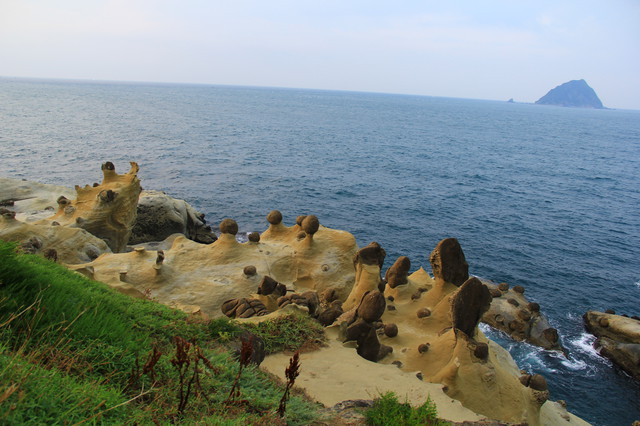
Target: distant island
(575, 93)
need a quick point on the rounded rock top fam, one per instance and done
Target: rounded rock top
(274, 217)
(229, 226)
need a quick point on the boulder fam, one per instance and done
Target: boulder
(398, 272)
(160, 215)
(448, 262)
(469, 304)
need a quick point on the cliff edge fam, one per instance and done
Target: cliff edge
(575, 93)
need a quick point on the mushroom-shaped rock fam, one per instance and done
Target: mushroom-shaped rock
(372, 306)
(274, 217)
(448, 262)
(538, 382)
(469, 303)
(229, 226)
(310, 225)
(254, 237)
(373, 254)
(398, 272)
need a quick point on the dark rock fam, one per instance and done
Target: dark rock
(424, 348)
(250, 271)
(373, 254)
(308, 299)
(524, 315)
(448, 262)
(391, 308)
(398, 273)
(538, 382)
(229, 226)
(369, 345)
(423, 313)
(503, 287)
(533, 307)
(391, 298)
(417, 295)
(481, 351)
(254, 237)
(469, 303)
(575, 93)
(274, 217)
(513, 302)
(372, 306)
(329, 315)
(51, 254)
(310, 224)
(258, 351)
(243, 308)
(391, 330)
(267, 285)
(610, 311)
(518, 289)
(495, 293)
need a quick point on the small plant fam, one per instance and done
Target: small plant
(188, 354)
(387, 410)
(245, 358)
(290, 373)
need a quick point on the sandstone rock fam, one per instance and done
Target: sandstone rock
(397, 274)
(108, 210)
(618, 338)
(448, 262)
(469, 304)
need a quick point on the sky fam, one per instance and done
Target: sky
(466, 49)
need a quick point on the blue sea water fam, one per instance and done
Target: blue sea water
(544, 197)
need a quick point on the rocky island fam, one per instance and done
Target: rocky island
(574, 93)
(409, 332)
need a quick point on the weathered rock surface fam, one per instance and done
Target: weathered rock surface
(448, 262)
(512, 313)
(205, 276)
(159, 216)
(107, 210)
(618, 338)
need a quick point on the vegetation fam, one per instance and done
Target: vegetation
(289, 333)
(387, 410)
(74, 351)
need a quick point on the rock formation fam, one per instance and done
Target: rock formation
(618, 338)
(513, 314)
(107, 210)
(448, 262)
(575, 93)
(159, 216)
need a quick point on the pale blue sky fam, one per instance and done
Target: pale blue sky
(469, 49)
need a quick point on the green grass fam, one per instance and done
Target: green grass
(69, 348)
(387, 410)
(288, 333)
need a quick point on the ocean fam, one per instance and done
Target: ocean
(540, 196)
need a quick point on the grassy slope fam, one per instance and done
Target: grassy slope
(69, 346)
